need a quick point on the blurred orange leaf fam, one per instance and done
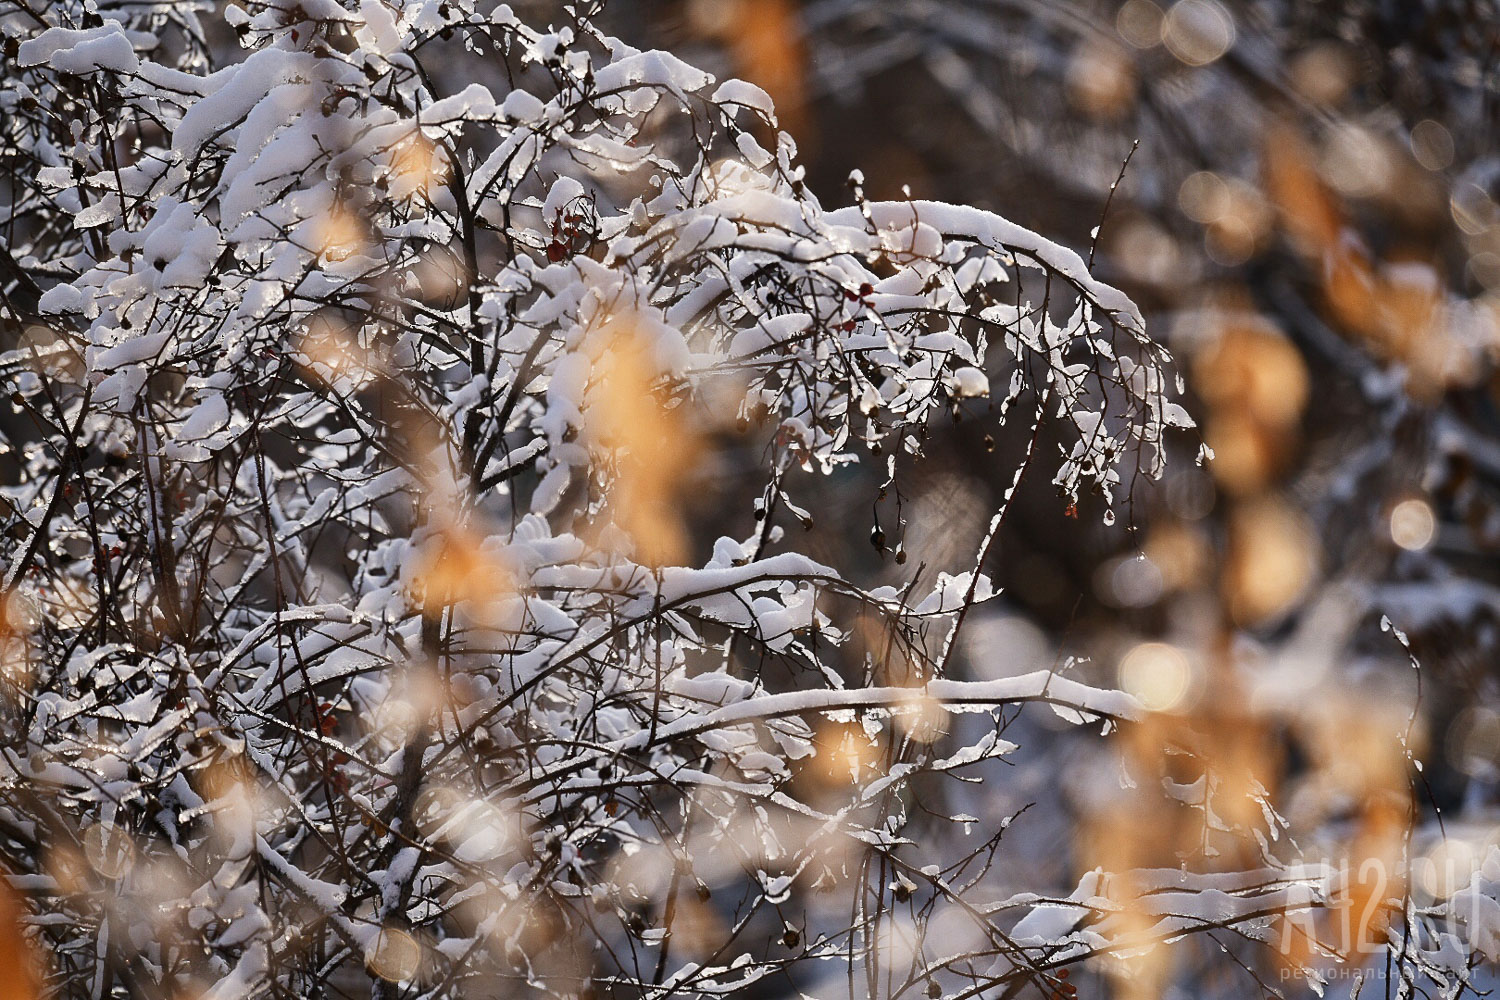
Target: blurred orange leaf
(19, 979)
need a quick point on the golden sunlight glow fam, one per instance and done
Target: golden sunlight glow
(417, 165)
(329, 351)
(1432, 144)
(1198, 31)
(1139, 22)
(108, 849)
(1158, 674)
(1413, 524)
(923, 720)
(396, 955)
(338, 234)
(1448, 867)
(1101, 79)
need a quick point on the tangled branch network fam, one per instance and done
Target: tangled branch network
(362, 359)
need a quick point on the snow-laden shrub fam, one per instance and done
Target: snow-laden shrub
(354, 637)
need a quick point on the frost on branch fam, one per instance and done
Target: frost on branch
(353, 634)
